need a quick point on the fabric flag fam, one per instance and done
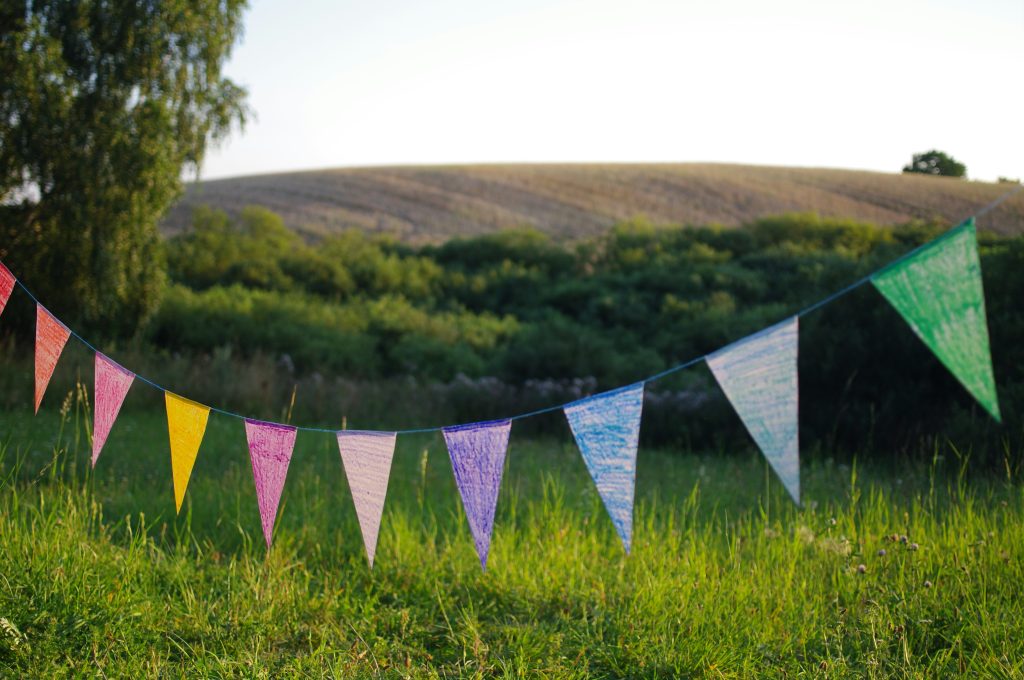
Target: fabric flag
(478, 451)
(112, 383)
(759, 376)
(607, 431)
(186, 425)
(938, 292)
(366, 459)
(270, 447)
(51, 336)
(6, 286)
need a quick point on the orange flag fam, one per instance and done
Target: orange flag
(6, 286)
(51, 336)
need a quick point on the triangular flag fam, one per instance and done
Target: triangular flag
(607, 431)
(478, 460)
(270, 448)
(6, 286)
(51, 336)
(186, 425)
(366, 458)
(938, 292)
(112, 383)
(759, 376)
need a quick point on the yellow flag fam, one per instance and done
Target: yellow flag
(186, 424)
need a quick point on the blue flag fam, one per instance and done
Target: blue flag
(607, 430)
(759, 376)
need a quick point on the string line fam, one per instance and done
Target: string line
(657, 376)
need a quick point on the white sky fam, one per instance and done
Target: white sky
(854, 84)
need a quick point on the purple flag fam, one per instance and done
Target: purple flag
(478, 460)
(270, 447)
(366, 458)
(112, 383)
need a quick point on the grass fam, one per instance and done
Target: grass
(727, 577)
(419, 204)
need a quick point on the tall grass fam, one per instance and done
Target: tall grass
(727, 577)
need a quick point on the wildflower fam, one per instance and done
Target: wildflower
(861, 569)
(881, 553)
(927, 584)
(912, 546)
(903, 539)
(832, 521)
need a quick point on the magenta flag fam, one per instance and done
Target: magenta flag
(366, 459)
(478, 460)
(6, 286)
(270, 448)
(112, 383)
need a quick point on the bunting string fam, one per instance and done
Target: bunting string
(652, 378)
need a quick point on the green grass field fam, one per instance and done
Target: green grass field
(98, 578)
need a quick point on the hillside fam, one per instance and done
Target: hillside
(420, 204)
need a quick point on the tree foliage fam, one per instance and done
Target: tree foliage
(935, 163)
(524, 309)
(103, 105)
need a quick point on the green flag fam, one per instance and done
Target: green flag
(938, 292)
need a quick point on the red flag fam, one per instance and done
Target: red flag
(51, 335)
(6, 286)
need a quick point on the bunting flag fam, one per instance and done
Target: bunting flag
(938, 292)
(759, 376)
(186, 425)
(51, 336)
(112, 383)
(270, 448)
(478, 460)
(6, 286)
(607, 431)
(366, 459)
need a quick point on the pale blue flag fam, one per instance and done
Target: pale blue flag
(759, 376)
(607, 430)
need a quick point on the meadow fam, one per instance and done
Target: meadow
(910, 568)
(904, 560)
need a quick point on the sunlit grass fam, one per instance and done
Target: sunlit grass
(727, 577)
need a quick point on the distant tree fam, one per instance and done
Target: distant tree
(935, 163)
(103, 105)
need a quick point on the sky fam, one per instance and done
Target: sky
(826, 84)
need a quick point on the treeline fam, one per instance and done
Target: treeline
(518, 306)
(365, 326)
(513, 304)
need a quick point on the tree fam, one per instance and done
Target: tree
(935, 163)
(104, 104)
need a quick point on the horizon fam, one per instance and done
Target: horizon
(191, 179)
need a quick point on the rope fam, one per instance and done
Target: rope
(657, 376)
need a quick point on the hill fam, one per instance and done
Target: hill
(423, 204)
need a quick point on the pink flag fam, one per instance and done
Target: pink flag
(270, 447)
(366, 458)
(6, 286)
(112, 383)
(51, 336)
